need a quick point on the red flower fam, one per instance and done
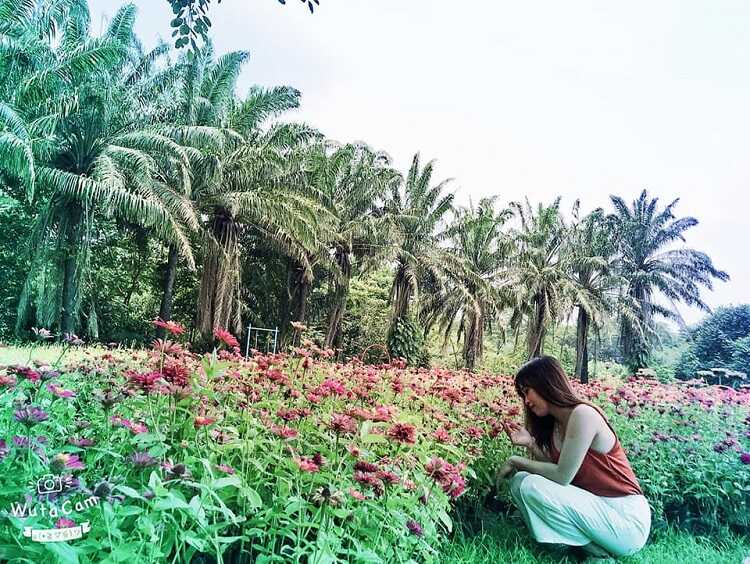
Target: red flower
(356, 494)
(283, 431)
(343, 425)
(307, 464)
(145, 381)
(442, 436)
(176, 374)
(403, 433)
(171, 326)
(364, 466)
(226, 337)
(202, 421)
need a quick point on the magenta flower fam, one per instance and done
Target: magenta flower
(414, 528)
(4, 450)
(343, 425)
(65, 461)
(64, 523)
(142, 459)
(60, 392)
(745, 458)
(403, 433)
(307, 464)
(30, 416)
(81, 442)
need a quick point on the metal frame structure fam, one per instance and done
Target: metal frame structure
(257, 330)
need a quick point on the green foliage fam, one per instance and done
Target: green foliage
(405, 341)
(649, 264)
(721, 340)
(15, 221)
(367, 316)
(191, 20)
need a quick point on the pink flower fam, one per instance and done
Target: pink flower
(343, 425)
(225, 468)
(356, 494)
(64, 523)
(65, 461)
(203, 421)
(226, 337)
(403, 433)
(60, 392)
(170, 326)
(745, 458)
(442, 436)
(283, 431)
(81, 442)
(307, 464)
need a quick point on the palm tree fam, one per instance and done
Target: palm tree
(419, 210)
(592, 248)
(350, 181)
(246, 177)
(481, 246)
(538, 281)
(89, 156)
(651, 264)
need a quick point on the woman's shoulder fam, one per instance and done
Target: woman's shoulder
(586, 411)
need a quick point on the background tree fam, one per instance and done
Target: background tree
(482, 249)
(351, 181)
(538, 281)
(592, 246)
(650, 264)
(721, 340)
(419, 211)
(91, 155)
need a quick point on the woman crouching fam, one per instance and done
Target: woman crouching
(578, 487)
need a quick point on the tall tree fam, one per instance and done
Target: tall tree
(89, 153)
(538, 281)
(351, 181)
(652, 265)
(592, 246)
(471, 303)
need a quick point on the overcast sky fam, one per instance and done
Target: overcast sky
(581, 98)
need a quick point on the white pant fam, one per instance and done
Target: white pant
(573, 516)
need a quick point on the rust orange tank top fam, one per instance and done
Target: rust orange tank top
(605, 475)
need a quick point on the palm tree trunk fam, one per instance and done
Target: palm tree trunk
(219, 297)
(71, 236)
(582, 351)
(401, 294)
(170, 273)
(473, 338)
(293, 300)
(340, 292)
(537, 329)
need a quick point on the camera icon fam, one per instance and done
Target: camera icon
(49, 483)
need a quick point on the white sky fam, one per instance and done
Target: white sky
(580, 98)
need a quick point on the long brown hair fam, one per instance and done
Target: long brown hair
(545, 375)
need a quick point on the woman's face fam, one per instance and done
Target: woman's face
(536, 403)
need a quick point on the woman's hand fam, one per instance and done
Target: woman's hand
(504, 473)
(517, 434)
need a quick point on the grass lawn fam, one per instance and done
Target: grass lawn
(505, 540)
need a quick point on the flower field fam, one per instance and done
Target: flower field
(171, 456)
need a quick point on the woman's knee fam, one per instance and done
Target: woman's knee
(532, 488)
(515, 484)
